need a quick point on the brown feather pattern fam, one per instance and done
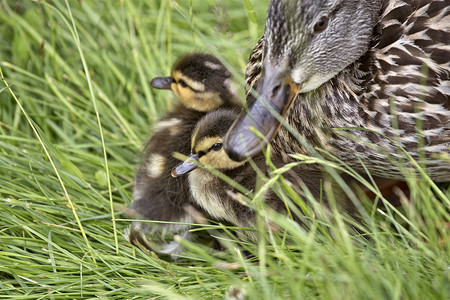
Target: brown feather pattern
(399, 89)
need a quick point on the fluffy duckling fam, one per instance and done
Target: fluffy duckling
(202, 84)
(215, 196)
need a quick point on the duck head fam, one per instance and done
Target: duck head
(200, 81)
(306, 43)
(207, 143)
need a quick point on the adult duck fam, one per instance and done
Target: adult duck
(380, 67)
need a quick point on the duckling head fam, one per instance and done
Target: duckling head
(207, 144)
(201, 82)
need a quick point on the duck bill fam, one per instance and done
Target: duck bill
(185, 167)
(277, 92)
(162, 83)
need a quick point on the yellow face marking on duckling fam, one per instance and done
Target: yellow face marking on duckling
(204, 144)
(195, 85)
(156, 165)
(217, 159)
(193, 95)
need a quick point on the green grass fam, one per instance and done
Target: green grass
(74, 117)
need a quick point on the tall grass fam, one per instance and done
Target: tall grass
(75, 111)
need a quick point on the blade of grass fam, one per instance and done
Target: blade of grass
(94, 102)
(44, 147)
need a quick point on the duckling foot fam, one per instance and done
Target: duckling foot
(159, 239)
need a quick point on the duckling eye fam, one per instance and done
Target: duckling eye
(216, 147)
(182, 83)
(321, 24)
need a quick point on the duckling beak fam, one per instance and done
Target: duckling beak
(162, 83)
(185, 167)
(277, 92)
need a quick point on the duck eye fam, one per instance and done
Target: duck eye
(275, 90)
(182, 83)
(321, 24)
(216, 147)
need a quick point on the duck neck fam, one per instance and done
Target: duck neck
(334, 104)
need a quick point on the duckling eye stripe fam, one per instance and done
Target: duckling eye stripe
(206, 143)
(192, 84)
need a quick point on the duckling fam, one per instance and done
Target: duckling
(215, 196)
(202, 83)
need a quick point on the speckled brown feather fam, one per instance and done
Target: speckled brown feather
(400, 89)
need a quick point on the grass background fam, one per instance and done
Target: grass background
(74, 117)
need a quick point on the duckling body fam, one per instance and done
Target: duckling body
(379, 65)
(217, 197)
(202, 84)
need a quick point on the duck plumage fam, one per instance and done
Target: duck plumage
(382, 66)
